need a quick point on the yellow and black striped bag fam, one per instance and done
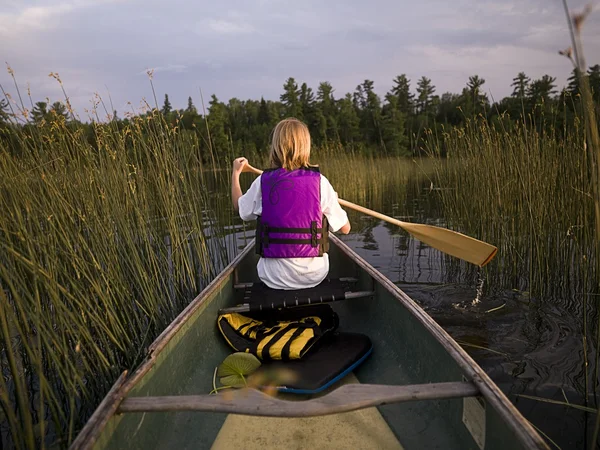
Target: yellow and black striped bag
(285, 335)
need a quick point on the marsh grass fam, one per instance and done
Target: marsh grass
(536, 196)
(101, 246)
(528, 193)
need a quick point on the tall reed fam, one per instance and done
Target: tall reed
(536, 195)
(103, 241)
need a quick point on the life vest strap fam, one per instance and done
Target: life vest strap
(264, 238)
(312, 242)
(291, 230)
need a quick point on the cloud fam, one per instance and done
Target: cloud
(33, 18)
(228, 27)
(247, 49)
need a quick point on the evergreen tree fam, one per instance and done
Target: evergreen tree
(264, 117)
(4, 116)
(348, 121)
(520, 85)
(58, 109)
(476, 97)
(424, 100)
(290, 99)
(190, 115)
(191, 109)
(542, 90)
(401, 90)
(450, 109)
(307, 105)
(217, 124)
(594, 77)
(39, 112)
(167, 108)
(326, 127)
(369, 112)
(573, 84)
(394, 139)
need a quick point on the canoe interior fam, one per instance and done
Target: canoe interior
(405, 352)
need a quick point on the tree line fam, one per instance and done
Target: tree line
(361, 121)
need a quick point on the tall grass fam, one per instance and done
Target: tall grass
(101, 246)
(536, 195)
(527, 192)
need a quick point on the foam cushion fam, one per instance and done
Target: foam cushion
(337, 355)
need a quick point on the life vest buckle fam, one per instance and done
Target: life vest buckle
(265, 240)
(313, 234)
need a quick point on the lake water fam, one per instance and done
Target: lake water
(528, 345)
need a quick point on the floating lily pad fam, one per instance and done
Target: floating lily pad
(236, 381)
(236, 367)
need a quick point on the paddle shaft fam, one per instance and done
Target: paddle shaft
(370, 212)
(448, 241)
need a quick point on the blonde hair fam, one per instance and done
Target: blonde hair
(290, 145)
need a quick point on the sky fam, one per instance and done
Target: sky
(248, 48)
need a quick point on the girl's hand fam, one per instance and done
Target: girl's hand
(238, 165)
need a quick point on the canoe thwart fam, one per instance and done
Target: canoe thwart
(288, 303)
(249, 285)
(256, 403)
(258, 297)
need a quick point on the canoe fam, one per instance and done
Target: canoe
(417, 389)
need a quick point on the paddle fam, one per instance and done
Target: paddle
(448, 241)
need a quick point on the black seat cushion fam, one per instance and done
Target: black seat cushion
(337, 355)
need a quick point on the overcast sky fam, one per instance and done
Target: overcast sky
(247, 48)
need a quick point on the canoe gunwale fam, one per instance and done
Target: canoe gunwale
(103, 412)
(488, 389)
(109, 406)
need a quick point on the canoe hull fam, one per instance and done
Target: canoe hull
(409, 348)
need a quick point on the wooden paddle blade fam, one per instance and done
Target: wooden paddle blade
(453, 243)
(447, 241)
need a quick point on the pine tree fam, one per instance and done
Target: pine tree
(520, 85)
(348, 123)
(401, 90)
(425, 91)
(190, 107)
(167, 108)
(326, 114)
(217, 124)
(307, 105)
(290, 99)
(4, 116)
(542, 89)
(474, 101)
(39, 112)
(369, 112)
(450, 109)
(394, 138)
(264, 117)
(594, 77)
(57, 110)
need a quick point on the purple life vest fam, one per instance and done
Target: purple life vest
(292, 224)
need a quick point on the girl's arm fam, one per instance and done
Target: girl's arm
(345, 229)
(236, 190)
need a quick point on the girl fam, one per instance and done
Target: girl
(294, 206)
